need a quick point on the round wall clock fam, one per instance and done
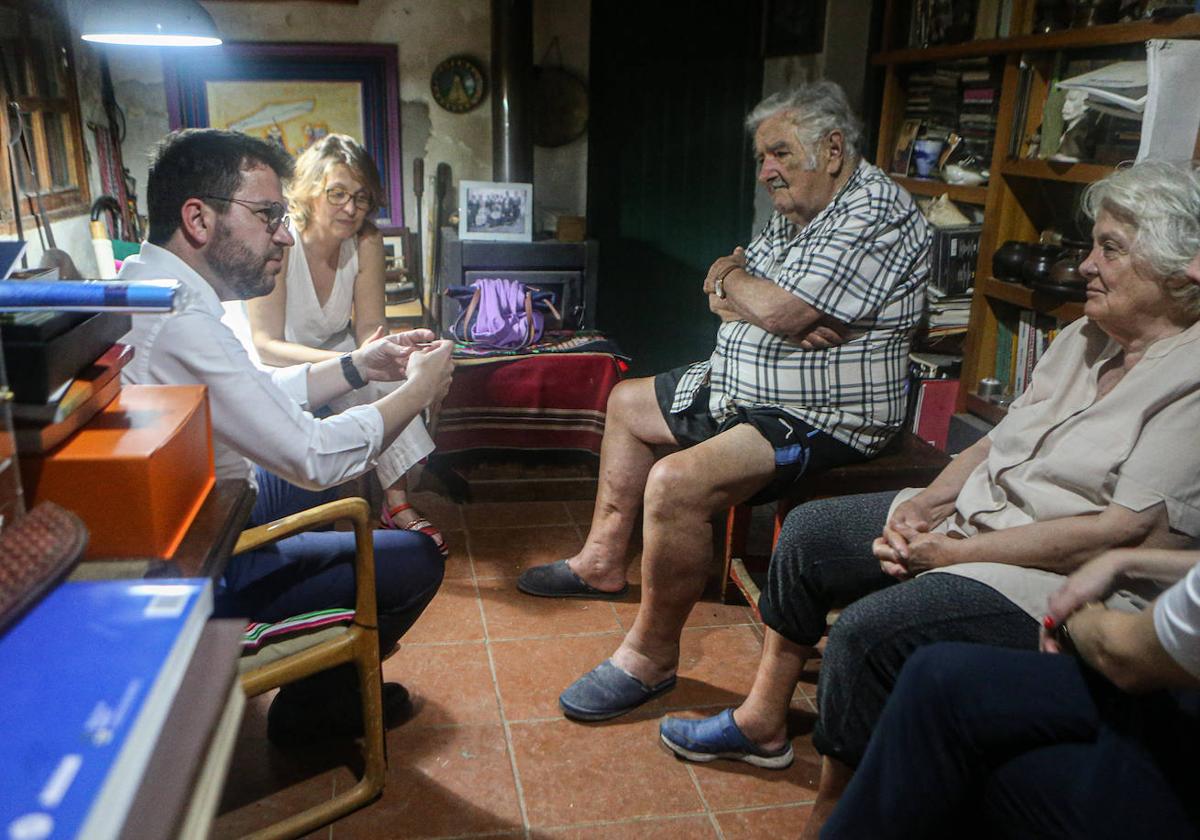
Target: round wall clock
(457, 84)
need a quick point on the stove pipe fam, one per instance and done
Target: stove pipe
(512, 80)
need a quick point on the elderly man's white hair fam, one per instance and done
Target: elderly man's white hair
(1161, 202)
(816, 110)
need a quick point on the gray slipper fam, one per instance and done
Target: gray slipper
(556, 580)
(607, 692)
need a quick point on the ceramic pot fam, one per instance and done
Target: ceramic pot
(1036, 268)
(1065, 271)
(1009, 259)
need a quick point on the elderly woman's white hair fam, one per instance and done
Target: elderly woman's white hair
(1161, 202)
(816, 110)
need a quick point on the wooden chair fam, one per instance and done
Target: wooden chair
(907, 461)
(279, 663)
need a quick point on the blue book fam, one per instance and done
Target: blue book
(89, 295)
(89, 676)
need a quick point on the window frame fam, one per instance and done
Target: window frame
(61, 202)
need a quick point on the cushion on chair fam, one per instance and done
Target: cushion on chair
(265, 642)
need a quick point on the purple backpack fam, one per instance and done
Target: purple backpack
(505, 314)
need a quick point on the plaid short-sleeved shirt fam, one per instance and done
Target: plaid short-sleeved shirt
(864, 260)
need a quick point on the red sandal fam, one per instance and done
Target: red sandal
(420, 524)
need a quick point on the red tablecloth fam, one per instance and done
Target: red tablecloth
(547, 401)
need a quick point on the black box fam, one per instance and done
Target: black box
(39, 360)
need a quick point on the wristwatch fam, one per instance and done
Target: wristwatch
(351, 372)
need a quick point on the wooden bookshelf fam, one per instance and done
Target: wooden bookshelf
(1109, 35)
(932, 187)
(1023, 196)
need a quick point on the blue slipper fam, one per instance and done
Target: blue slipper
(708, 739)
(607, 692)
(556, 580)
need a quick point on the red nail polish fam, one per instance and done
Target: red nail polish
(1048, 622)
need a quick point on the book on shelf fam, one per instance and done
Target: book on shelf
(90, 674)
(935, 406)
(72, 394)
(1028, 342)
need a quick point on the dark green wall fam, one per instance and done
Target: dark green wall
(670, 168)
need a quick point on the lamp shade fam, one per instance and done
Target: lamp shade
(158, 23)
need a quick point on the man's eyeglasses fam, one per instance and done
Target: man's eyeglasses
(338, 196)
(272, 213)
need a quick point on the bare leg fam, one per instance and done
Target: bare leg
(633, 426)
(762, 717)
(395, 496)
(835, 776)
(683, 491)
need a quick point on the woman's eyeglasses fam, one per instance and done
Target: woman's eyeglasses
(338, 196)
(272, 213)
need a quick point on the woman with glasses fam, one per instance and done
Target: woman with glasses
(331, 297)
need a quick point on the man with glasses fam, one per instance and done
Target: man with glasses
(217, 226)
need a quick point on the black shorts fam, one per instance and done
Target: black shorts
(799, 448)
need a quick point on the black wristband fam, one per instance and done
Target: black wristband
(351, 372)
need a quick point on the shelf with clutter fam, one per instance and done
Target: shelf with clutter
(1053, 103)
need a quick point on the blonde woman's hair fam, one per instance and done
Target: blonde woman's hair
(312, 168)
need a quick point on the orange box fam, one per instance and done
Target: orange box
(136, 473)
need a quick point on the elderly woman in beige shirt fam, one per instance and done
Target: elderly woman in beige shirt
(1100, 451)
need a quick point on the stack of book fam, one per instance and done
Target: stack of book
(92, 678)
(42, 424)
(1019, 346)
(977, 111)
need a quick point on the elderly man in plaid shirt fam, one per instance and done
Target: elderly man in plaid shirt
(808, 372)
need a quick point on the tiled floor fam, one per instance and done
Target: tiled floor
(488, 753)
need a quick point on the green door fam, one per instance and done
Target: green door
(670, 166)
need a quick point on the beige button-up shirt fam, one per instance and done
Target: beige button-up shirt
(1061, 453)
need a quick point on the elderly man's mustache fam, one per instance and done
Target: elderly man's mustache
(776, 183)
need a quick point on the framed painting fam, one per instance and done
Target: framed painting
(293, 94)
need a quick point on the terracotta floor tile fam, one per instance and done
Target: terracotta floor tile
(511, 614)
(532, 673)
(458, 564)
(506, 552)
(449, 683)
(734, 784)
(524, 514)
(716, 666)
(769, 822)
(442, 781)
(265, 785)
(704, 614)
(578, 774)
(673, 828)
(452, 616)
(438, 509)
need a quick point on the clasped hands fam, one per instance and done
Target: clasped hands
(388, 357)
(908, 546)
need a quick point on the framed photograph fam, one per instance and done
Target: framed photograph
(293, 94)
(902, 156)
(488, 210)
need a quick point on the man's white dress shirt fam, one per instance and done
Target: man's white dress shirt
(258, 417)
